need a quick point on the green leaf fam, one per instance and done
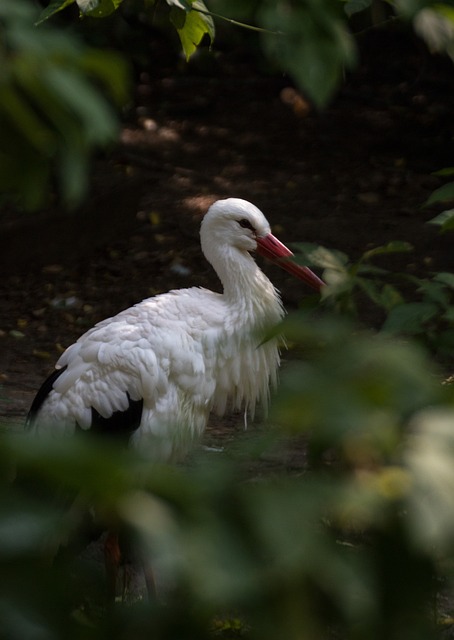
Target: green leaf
(52, 9)
(445, 220)
(177, 17)
(443, 194)
(395, 246)
(318, 256)
(447, 171)
(23, 116)
(371, 289)
(445, 278)
(387, 298)
(86, 6)
(98, 8)
(436, 292)
(82, 98)
(54, 109)
(391, 296)
(355, 6)
(409, 318)
(195, 27)
(314, 45)
(184, 5)
(449, 315)
(409, 8)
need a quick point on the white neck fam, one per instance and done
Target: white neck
(246, 287)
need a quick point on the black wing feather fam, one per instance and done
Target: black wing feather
(41, 396)
(120, 425)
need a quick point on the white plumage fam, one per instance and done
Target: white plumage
(177, 356)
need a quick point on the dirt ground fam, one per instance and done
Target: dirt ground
(351, 177)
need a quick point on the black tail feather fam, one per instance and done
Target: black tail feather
(41, 396)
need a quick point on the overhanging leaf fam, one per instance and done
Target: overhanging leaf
(314, 46)
(185, 5)
(196, 25)
(177, 17)
(98, 8)
(52, 9)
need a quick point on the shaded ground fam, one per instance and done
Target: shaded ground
(350, 178)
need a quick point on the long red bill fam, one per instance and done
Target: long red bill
(271, 248)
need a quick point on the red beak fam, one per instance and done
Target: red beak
(271, 248)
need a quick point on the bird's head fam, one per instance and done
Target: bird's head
(238, 223)
(234, 222)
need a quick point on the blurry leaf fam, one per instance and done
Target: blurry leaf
(445, 339)
(442, 194)
(371, 382)
(96, 468)
(24, 117)
(445, 278)
(355, 6)
(436, 291)
(409, 318)
(315, 255)
(52, 9)
(88, 5)
(408, 8)
(436, 26)
(447, 171)
(369, 269)
(386, 297)
(396, 246)
(185, 5)
(178, 17)
(444, 219)
(54, 109)
(25, 529)
(372, 290)
(430, 460)
(158, 529)
(390, 296)
(314, 47)
(98, 8)
(101, 67)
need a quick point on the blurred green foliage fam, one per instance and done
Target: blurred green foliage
(409, 306)
(57, 100)
(311, 40)
(355, 541)
(443, 195)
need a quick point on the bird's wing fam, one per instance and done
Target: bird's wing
(155, 353)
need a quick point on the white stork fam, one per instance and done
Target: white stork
(155, 371)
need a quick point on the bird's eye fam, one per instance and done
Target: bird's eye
(246, 224)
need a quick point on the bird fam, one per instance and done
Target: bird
(153, 373)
